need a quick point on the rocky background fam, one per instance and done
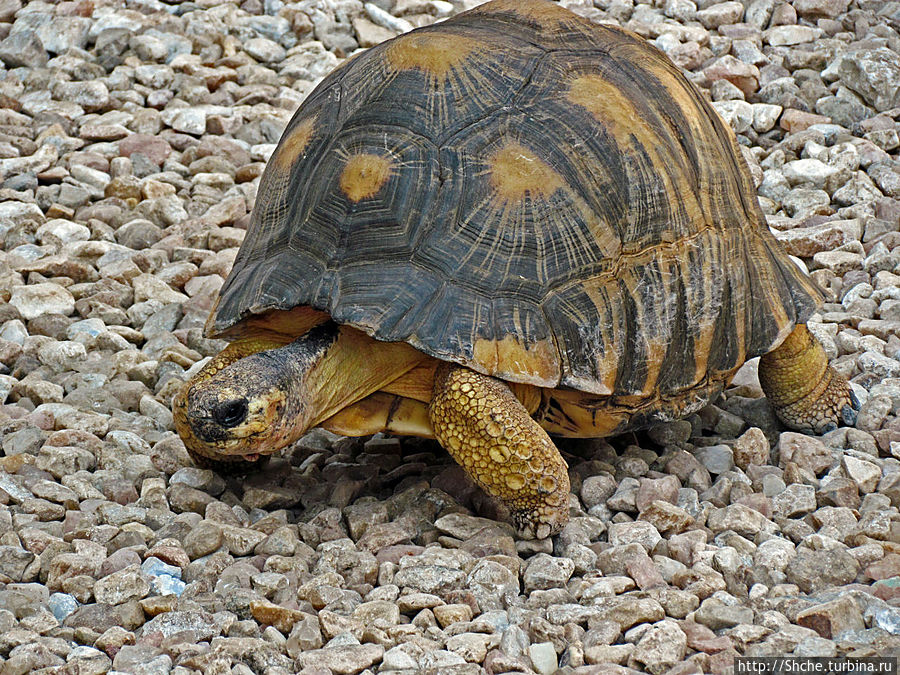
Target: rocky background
(132, 137)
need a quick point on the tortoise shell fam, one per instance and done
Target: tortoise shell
(537, 197)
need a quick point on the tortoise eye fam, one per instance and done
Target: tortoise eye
(230, 413)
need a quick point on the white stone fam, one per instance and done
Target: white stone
(44, 157)
(804, 201)
(155, 410)
(872, 73)
(843, 155)
(265, 50)
(865, 474)
(774, 185)
(93, 95)
(386, 19)
(7, 382)
(62, 355)
(92, 177)
(795, 500)
(839, 262)
(14, 331)
(807, 241)
(441, 8)
(147, 287)
(440, 658)
(774, 554)
(759, 12)
(397, 658)
(778, 36)
(155, 76)
(190, 121)
(148, 47)
(61, 230)
(738, 114)
(810, 171)
(765, 115)
(639, 531)
(683, 10)
(660, 648)
(858, 189)
(879, 364)
(38, 299)
(720, 14)
(262, 152)
(748, 52)
(310, 62)
(543, 657)
(471, 646)
(545, 571)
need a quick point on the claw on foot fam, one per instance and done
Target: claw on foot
(542, 524)
(807, 394)
(850, 411)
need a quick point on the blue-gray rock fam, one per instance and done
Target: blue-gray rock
(716, 458)
(888, 619)
(62, 604)
(164, 584)
(154, 567)
(23, 49)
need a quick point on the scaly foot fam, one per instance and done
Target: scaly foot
(491, 435)
(807, 394)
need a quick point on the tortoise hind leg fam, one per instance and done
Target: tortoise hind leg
(806, 393)
(490, 434)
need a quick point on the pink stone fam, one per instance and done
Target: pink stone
(703, 639)
(758, 502)
(652, 489)
(887, 567)
(744, 76)
(644, 572)
(793, 120)
(154, 147)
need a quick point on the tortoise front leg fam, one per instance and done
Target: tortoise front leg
(490, 434)
(806, 393)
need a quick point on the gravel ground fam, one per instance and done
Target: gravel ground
(132, 137)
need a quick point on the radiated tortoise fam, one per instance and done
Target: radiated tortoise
(510, 224)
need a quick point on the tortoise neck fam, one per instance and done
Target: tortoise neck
(294, 367)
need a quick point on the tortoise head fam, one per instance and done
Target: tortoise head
(250, 400)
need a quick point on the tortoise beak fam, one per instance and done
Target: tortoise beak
(223, 421)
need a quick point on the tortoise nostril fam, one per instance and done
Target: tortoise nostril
(230, 413)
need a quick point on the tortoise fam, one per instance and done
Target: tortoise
(510, 224)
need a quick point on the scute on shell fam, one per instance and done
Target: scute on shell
(534, 196)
